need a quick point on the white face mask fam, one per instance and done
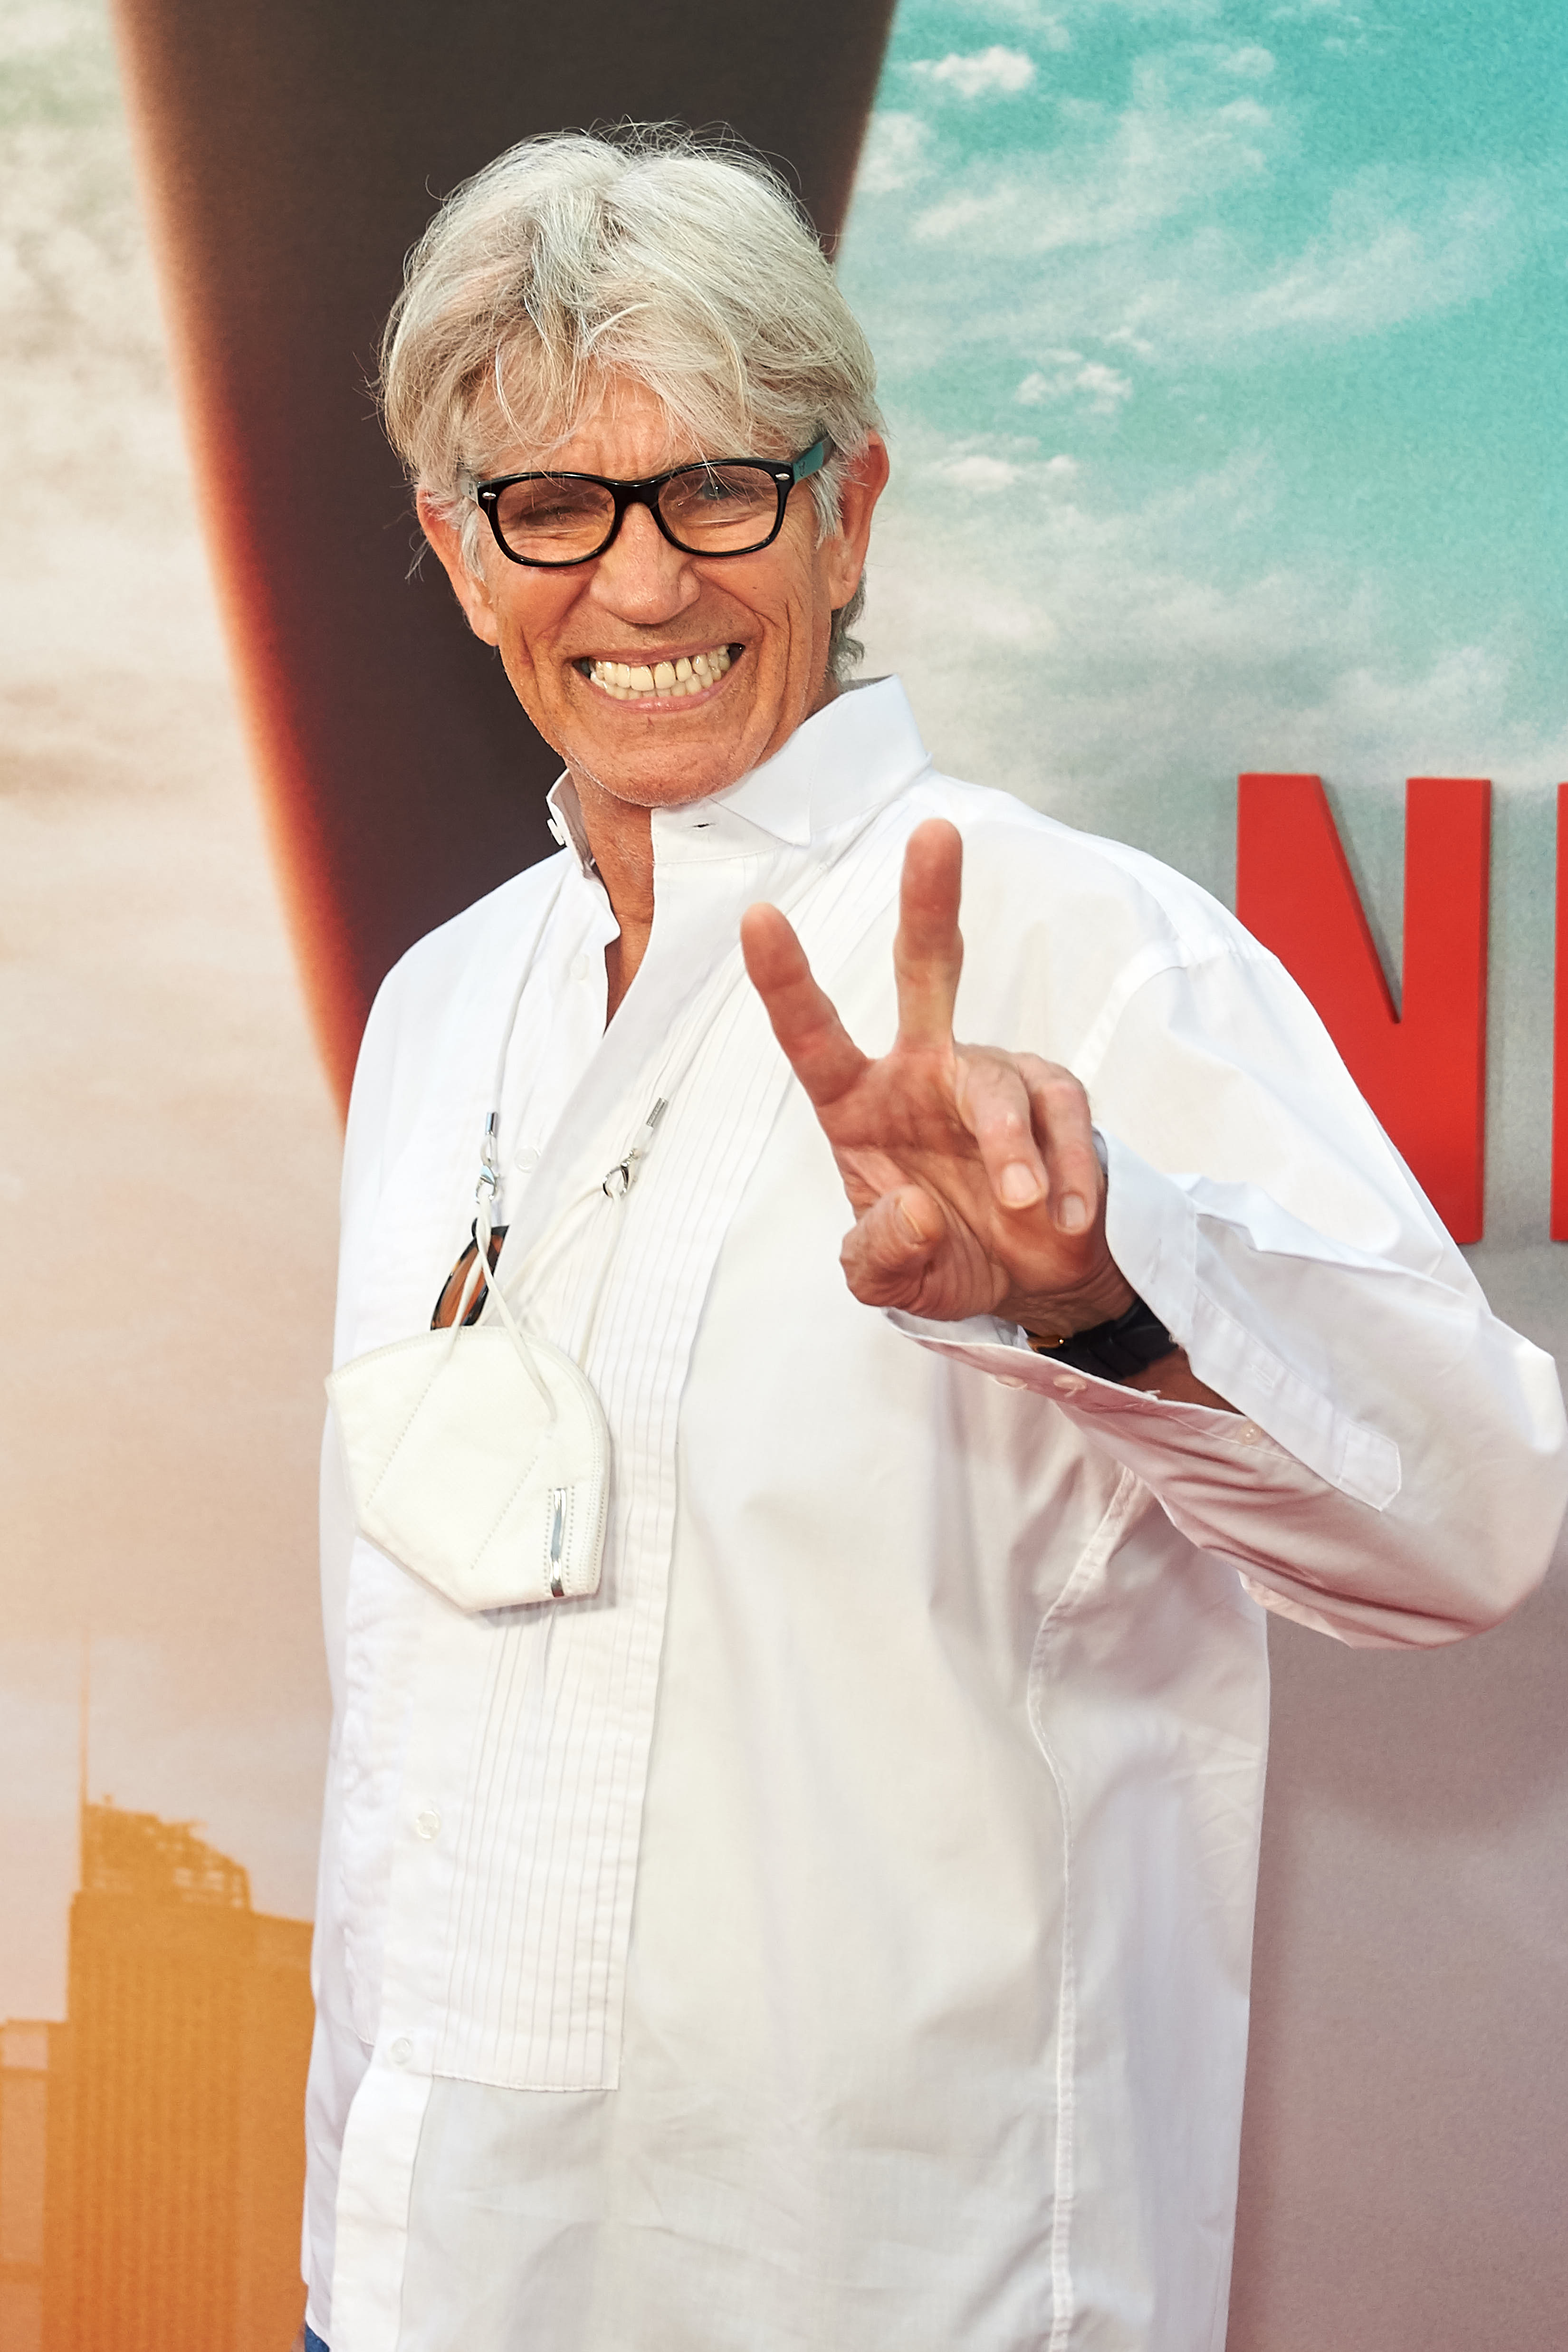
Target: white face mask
(479, 1457)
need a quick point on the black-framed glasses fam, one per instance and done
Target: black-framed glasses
(721, 506)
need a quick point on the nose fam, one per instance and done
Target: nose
(640, 577)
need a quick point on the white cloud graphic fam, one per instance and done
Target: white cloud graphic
(1069, 375)
(984, 471)
(989, 73)
(980, 472)
(894, 155)
(1250, 63)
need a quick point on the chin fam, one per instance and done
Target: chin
(662, 775)
(684, 782)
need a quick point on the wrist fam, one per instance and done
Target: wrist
(1062, 1314)
(1122, 1350)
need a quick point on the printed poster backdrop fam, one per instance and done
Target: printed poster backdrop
(1219, 346)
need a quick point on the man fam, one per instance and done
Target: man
(810, 1904)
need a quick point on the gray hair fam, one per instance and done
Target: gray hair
(685, 263)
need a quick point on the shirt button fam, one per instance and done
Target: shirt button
(428, 1822)
(1009, 1381)
(581, 967)
(402, 2051)
(1071, 1384)
(1249, 1434)
(527, 1159)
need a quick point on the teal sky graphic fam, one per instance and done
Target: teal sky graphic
(1222, 348)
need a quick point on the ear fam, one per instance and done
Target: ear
(862, 485)
(471, 590)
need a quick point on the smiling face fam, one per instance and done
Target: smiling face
(663, 677)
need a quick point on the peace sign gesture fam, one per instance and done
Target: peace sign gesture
(971, 1172)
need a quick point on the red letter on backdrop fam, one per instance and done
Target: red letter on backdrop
(1423, 1070)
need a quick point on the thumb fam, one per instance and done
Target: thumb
(887, 1251)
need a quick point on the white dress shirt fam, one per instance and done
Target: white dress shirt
(834, 1932)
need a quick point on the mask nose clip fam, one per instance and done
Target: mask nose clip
(557, 1531)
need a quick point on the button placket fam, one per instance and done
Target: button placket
(419, 1897)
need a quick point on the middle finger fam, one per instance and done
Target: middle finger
(993, 1103)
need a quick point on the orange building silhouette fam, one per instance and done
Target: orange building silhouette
(152, 2149)
(30, 2058)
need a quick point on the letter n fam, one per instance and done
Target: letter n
(1422, 1069)
(1559, 1034)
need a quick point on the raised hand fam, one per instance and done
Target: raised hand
(971, 1172)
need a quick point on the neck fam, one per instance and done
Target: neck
(620, 836)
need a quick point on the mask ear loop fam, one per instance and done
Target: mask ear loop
(480, 1270)
(488, 1189)
(614, 1186)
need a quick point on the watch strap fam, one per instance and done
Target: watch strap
(1114, 1351)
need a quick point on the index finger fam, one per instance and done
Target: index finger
(928, 951)
(820, 1050)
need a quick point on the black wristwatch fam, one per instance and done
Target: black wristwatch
(1111, 1351)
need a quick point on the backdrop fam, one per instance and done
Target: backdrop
(1217, 342)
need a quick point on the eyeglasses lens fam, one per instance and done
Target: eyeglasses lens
(720, 510)
(551, 519)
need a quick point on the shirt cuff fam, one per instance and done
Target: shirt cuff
(988, 1344)
(1182, 1244)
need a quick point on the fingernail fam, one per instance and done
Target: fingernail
(1073, 1214)
(1020, 1185)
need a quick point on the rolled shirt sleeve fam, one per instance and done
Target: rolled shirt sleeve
(1399, 1471)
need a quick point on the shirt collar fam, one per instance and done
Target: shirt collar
(855, 753)
(565, 822)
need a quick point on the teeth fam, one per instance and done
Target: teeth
(691, 674)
